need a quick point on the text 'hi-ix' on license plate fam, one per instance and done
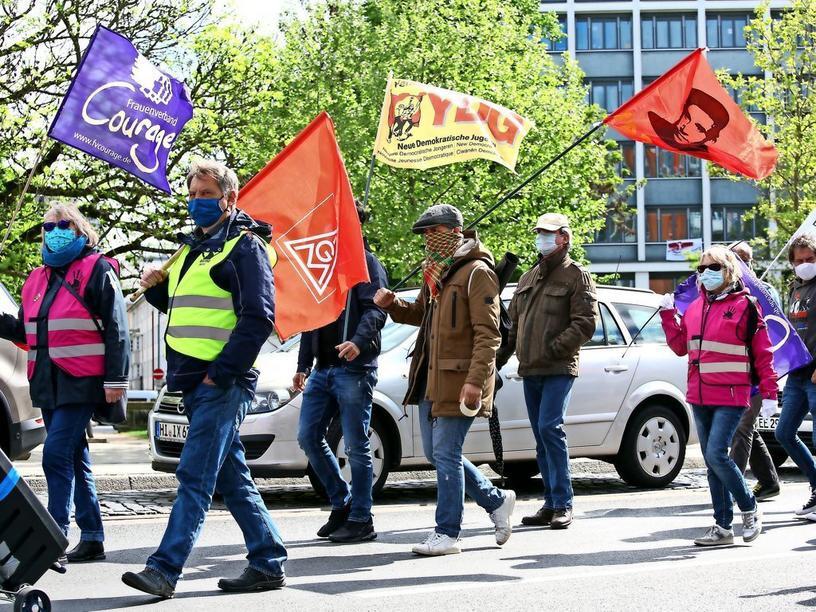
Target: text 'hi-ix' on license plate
(172, 432)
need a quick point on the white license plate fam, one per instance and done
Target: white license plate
(172, 432)
(767, 423)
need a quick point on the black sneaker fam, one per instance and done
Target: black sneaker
(540, 518)
(149, 581)
(353, 531)
(336, 520)
(251, 580)
(810, 506)
(86, 551)
(763, 492)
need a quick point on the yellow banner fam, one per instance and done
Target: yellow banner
(422, 126)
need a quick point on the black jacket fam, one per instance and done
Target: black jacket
(247, 274)
(802, 315)
(365, 322)
(51, 387)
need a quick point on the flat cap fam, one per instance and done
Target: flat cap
(552, 222)
(441, 214)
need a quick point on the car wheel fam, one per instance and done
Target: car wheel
(653, 448)
(380, 441)
(778, 456)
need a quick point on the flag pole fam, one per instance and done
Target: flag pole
(514, 192)
(19, 204)
(775, 259)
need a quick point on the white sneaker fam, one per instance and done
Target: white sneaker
(501, 517)
(751, 525)
(716, 536)
(438, 544)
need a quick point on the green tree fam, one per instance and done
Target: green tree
(337, 59)
(228, 69)
(784, 48)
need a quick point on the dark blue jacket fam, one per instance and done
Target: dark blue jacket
(247, 274)
(365, 322)
(51, 387)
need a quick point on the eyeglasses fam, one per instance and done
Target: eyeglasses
(63, 224)
(715, 267)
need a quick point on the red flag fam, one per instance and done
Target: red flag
(687, 111)
(306, 195)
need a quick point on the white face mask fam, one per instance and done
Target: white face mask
(545, 243)
(805, 271)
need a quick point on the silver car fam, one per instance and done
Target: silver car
(627, 406)
(21, 424)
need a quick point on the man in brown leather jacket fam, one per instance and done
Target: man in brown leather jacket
(553, 314)
(452, 370)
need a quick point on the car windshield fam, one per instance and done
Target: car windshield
(7, 303)
(641, 318)
(273, 344)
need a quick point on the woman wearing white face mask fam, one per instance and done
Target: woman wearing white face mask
(799, 397)
(725, 338)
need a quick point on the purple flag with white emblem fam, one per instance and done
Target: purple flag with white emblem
(122, 109)
(789, 351)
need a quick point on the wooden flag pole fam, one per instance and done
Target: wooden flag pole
(513, 193)
(165, 267)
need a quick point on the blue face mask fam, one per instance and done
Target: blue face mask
(204, 211)
(57, 239)
(68, 253)
(711, 280)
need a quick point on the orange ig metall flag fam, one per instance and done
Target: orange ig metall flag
(422, 126)
(304, 192)
(688, 111)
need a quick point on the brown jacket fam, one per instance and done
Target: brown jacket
(553, 314)
(458, 334)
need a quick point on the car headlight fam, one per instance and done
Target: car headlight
(270, 400)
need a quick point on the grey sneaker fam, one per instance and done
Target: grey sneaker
(501, 517)
(716, 536)
(751, 525)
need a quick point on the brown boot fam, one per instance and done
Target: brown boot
(561, 519)
(541, 518)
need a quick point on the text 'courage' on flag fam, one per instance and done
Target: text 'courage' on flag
(688, 111)
(123, 110)
(305, 194)
(422, 126)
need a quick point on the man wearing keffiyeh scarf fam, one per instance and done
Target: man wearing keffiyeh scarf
(440, 247)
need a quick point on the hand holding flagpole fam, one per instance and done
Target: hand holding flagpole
(164, 269)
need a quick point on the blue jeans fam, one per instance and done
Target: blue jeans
(798, 399)
(328, 392)
(213, 459)
(715, 428)
(477, 486)
(67, 466)
(547, 398)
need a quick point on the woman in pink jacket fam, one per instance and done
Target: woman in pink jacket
(724, 335)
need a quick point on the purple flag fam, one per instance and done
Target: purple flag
(122, 109)
(789, 351)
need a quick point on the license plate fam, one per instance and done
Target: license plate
(767, 423)
(172, 432)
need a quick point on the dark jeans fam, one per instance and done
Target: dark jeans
(67, 466)
(213, 459)
(748, 446)
(328, 392)
(715, 427)
(547, 398)
(798, 399)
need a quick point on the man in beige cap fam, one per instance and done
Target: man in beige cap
(553, 314)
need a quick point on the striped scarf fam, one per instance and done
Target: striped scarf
(439, 250)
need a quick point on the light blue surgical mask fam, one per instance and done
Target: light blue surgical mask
(545, 243)
(58, 239)
(711, 280)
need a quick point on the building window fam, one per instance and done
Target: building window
(621, 279)
(666, 282)
(727, 224)
(661, 163)
(595, 32)
(668, 31)
(726, 30)
(626, 165)
(620, 228)
(609, 94)
(561, 43)
(673, 223)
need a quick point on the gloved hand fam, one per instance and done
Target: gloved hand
(769, 408)
(667, 301)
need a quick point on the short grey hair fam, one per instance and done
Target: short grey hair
(805, 241)
(226, 178)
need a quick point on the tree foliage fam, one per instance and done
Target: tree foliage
(784, 48)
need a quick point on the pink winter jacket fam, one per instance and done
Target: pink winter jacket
(713, 335)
